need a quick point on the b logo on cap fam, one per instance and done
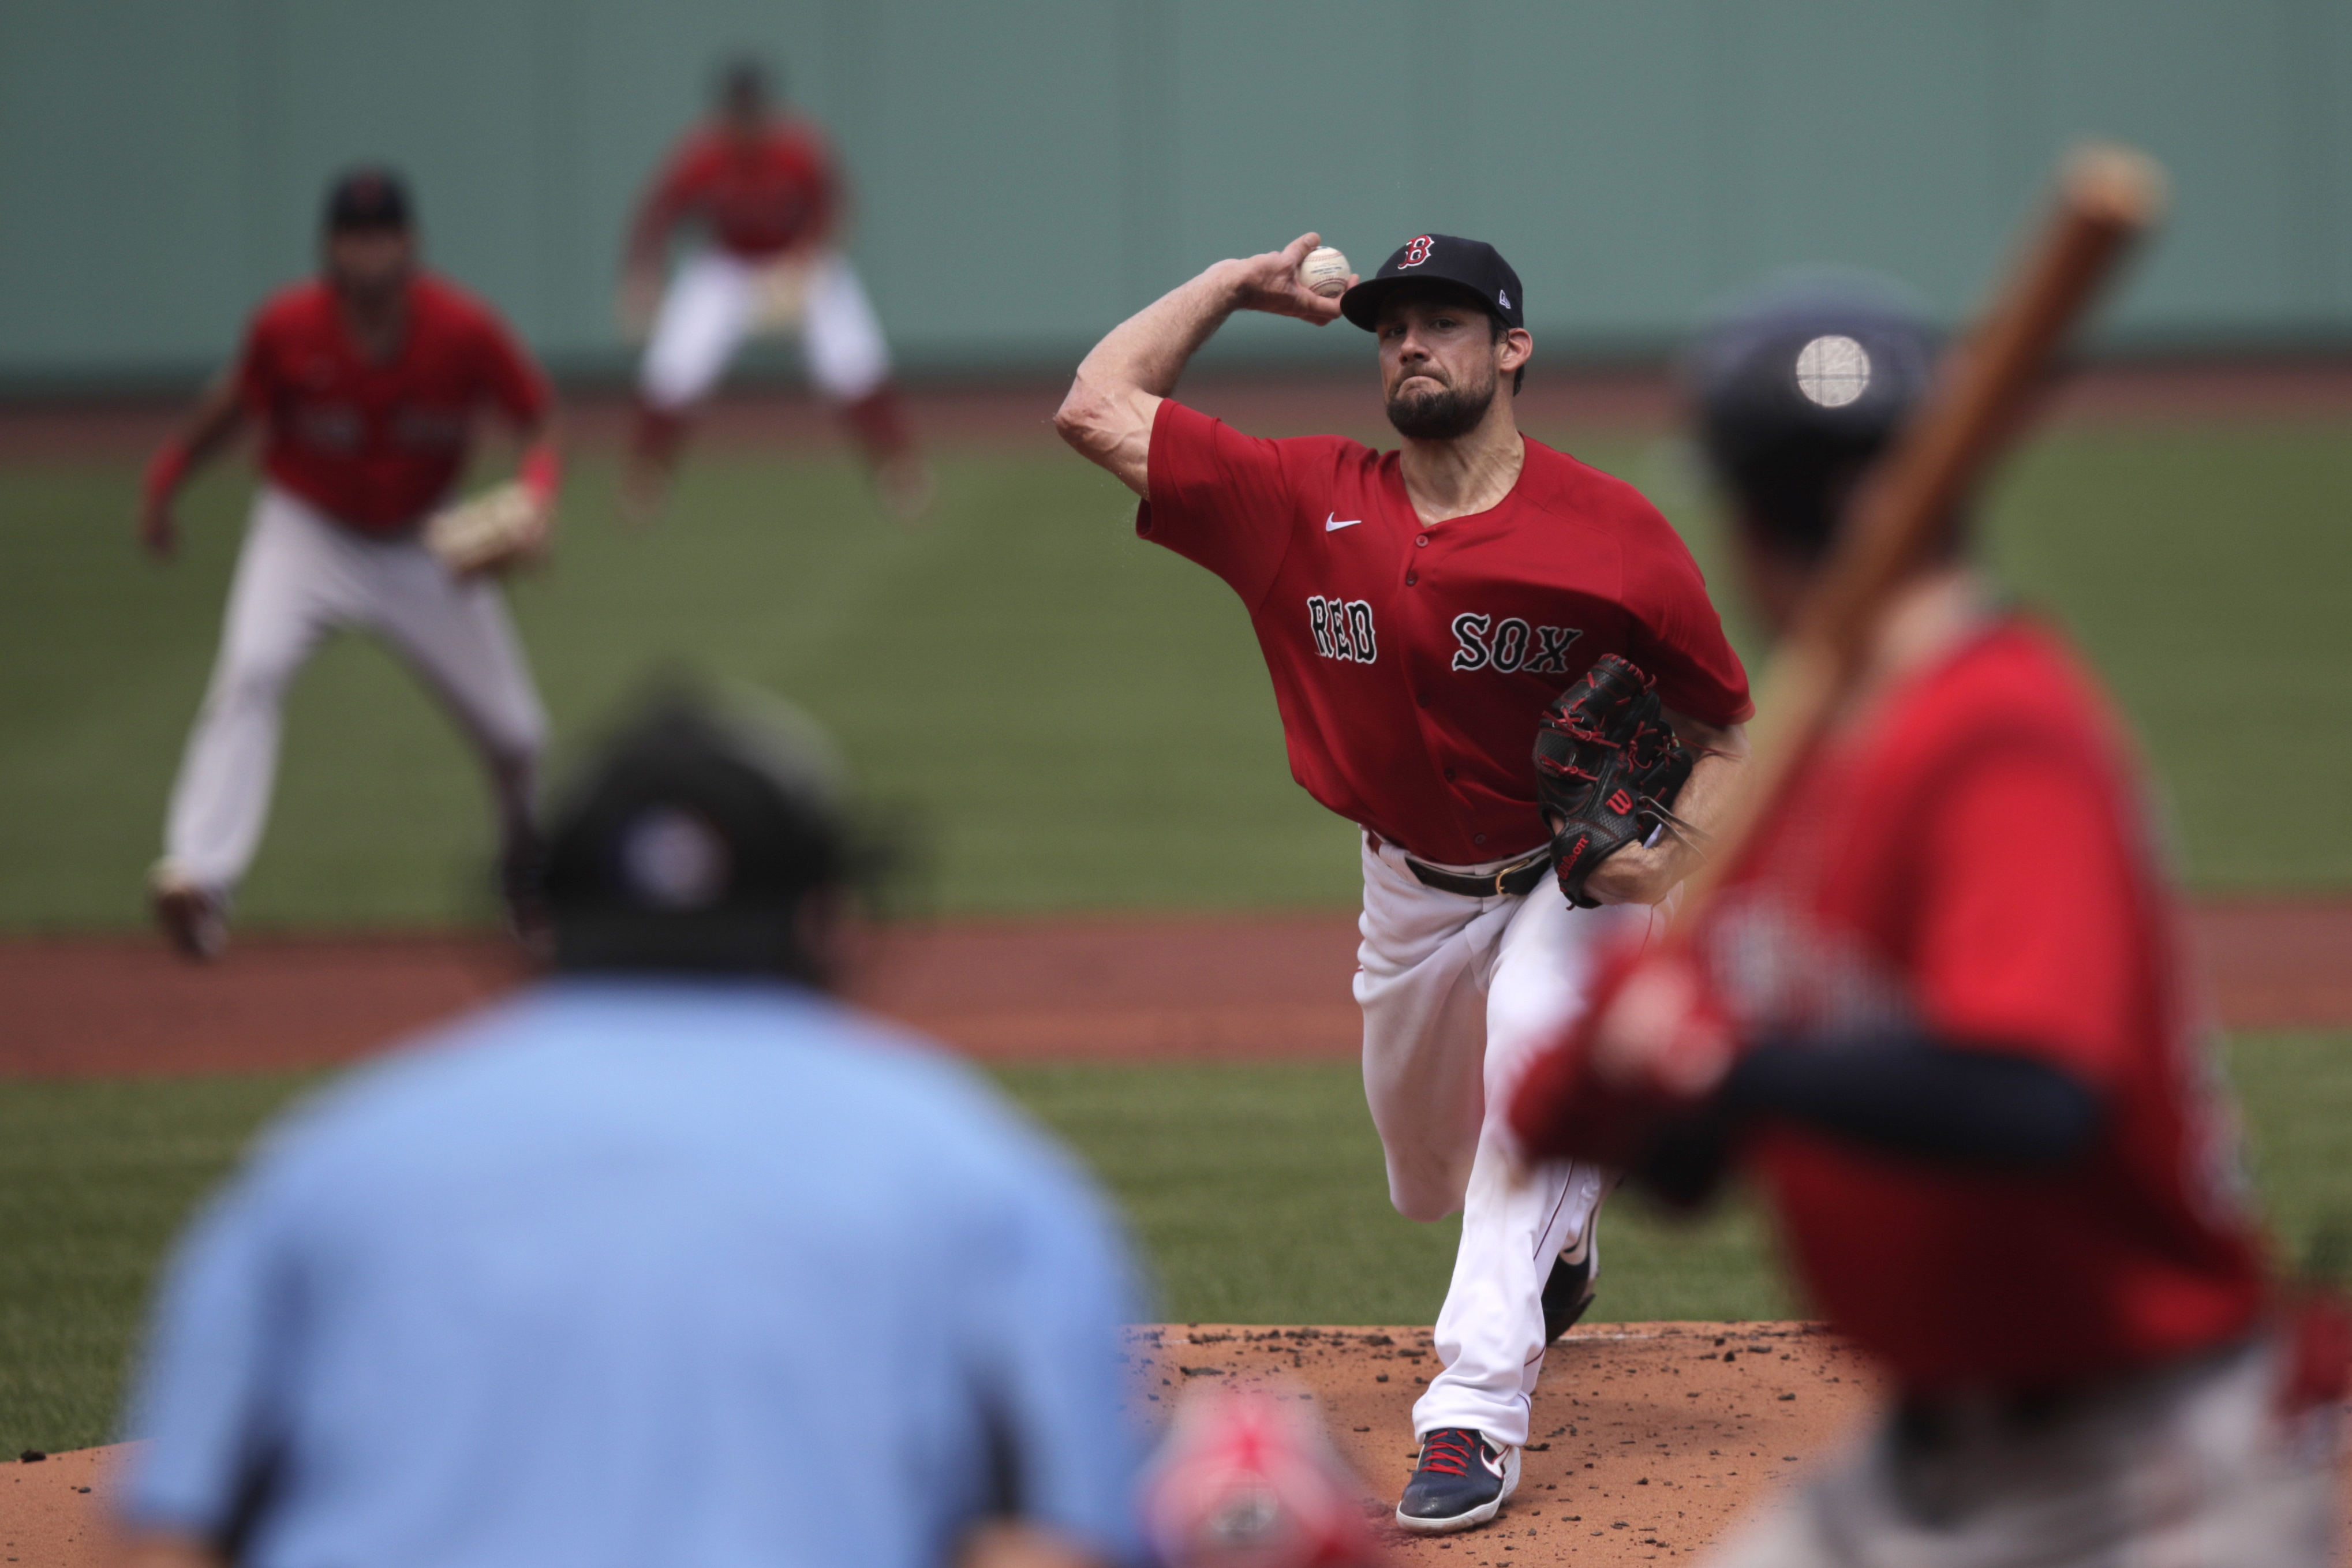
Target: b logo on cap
(1417, 251)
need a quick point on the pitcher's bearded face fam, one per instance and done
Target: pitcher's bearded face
(1439, 367)
(1425, 407)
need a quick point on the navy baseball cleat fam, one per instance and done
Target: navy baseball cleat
(1569, 1290)
(1461, 1482)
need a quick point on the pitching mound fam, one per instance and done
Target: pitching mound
(1650, 1439)
(53, 1512)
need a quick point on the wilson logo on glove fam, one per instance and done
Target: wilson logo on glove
(1607, 767)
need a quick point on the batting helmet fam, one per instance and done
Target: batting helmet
(1797, 387)
(695, 840)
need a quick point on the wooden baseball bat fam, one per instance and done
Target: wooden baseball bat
(1903, 514)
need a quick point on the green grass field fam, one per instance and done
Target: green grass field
(1256, 1191)
(1072, 719)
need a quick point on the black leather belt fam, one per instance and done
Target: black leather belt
(1519, 877)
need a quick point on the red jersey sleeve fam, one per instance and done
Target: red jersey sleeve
(1219, 498)
(1677, 636)
(510, 377)
(257, 365)
(2029, 905)
(828, 196)
(673, 191)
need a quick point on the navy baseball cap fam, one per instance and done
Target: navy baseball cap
(372, 198)
(692, 842)
(1470, 264)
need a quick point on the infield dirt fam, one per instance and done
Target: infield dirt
(1138, 989)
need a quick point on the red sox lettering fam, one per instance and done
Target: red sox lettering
(1343, 629)
(1512, 645)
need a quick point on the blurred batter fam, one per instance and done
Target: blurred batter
(1942, 1011)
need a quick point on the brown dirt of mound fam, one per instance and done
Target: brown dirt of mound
(54, 1514)
(1108, 989)
(1648, 1443)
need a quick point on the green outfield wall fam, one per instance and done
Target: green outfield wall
(1027, 170)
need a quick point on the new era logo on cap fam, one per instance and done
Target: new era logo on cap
(1471, 264)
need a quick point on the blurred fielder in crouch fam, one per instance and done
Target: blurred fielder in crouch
(1940, 1007)
(766, 193)
(367, 382)
(672, 1259)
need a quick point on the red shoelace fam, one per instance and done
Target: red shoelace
(1447, 1451)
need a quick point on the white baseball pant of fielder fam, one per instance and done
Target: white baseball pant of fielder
(711, 306)
(1458, 993)
(299, 576)
(2193, 1464)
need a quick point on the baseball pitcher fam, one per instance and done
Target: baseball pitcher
(1422, 613)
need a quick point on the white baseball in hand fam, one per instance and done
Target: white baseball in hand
(1325, 272)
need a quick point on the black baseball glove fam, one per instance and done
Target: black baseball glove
(1608, 768)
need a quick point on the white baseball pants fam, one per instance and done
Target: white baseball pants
(2195, 1466)
(709, 307)
(1458, 995)
(298, 577)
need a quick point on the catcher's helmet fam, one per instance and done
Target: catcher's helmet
(1797, 387)
(694, 841)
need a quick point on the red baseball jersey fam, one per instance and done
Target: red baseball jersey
(1970, 857)
(1411, 662)
(376, 445)
(757, 198)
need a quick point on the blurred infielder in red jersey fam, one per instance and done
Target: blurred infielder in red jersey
(1419, 611)
(366, 382)
(1941, 1008)
(765, 191)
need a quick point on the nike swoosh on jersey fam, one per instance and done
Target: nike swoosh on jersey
(1333, 525)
